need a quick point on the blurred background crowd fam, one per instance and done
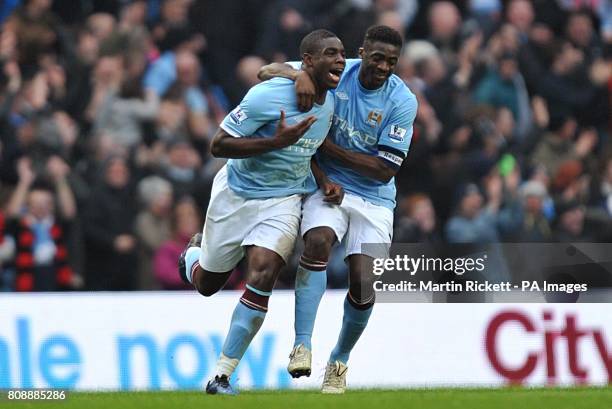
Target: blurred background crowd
(107, 108)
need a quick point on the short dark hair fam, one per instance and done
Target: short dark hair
(384, 34)
(311, 43)
(44, 184)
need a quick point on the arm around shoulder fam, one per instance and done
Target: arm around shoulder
(277, 70)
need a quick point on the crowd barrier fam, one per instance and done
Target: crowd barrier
(170, 340)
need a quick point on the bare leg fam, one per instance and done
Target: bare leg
(207, 282)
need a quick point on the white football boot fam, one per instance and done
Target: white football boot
(300, 361)
(335, 378)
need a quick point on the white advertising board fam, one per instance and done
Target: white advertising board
(93, 341)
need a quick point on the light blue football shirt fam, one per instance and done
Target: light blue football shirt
(281, 172)
(374, 122)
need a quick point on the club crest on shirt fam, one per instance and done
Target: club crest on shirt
(397, 134)
(342, 95)
(374, 118)
(238, 115)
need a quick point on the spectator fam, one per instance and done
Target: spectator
(504, 87)
(247, 70)
(558, 146)
(183, 171)
(520, 14)
(482, 223)
(88, 169)
(570, 223)
(173, 15)
(40, 128)
(110, 242)
(101, 25)
(152, 223)
(444, 25)
(188, 76)
(10, 149)
(568, 88)
(162, 73)
(172, 120)
(285, 23)
(570, 182)
(80, 67)
(580, 32)
(393, 19)
(486, 12)
(417, 221)
(534, 55)
(478, 222)
(602, 192)
(36, 29)
(39, 232)
(405, 9)
(474, 222)
(185, 223)
(7, 252)
(123, 106)
(535, 226)
(605, 13)
(133, 14)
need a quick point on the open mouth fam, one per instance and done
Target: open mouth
(335, 73)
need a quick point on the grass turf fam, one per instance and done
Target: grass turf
(510, 398)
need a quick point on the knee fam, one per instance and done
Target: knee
(362, 294)
(204, 288)
(262, 280)
(262, 276)
(361, 289)
(207, 283)
(362, 297)
(319, 243)
(206, 292)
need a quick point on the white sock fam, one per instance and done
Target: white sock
(226, 366)
(191, 257)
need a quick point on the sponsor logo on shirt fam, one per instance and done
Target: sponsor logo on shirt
(238, 115)
(374, 118)
(397, 134)
(356, 138)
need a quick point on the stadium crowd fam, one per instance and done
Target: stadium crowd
(107, 108)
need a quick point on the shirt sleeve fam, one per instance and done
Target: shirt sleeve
(255, 110)
(395, 138)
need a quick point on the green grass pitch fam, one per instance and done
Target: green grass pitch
(509, 398)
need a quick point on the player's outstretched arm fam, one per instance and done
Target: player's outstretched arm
(367, 165)
(225, 145)
(304, 85)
